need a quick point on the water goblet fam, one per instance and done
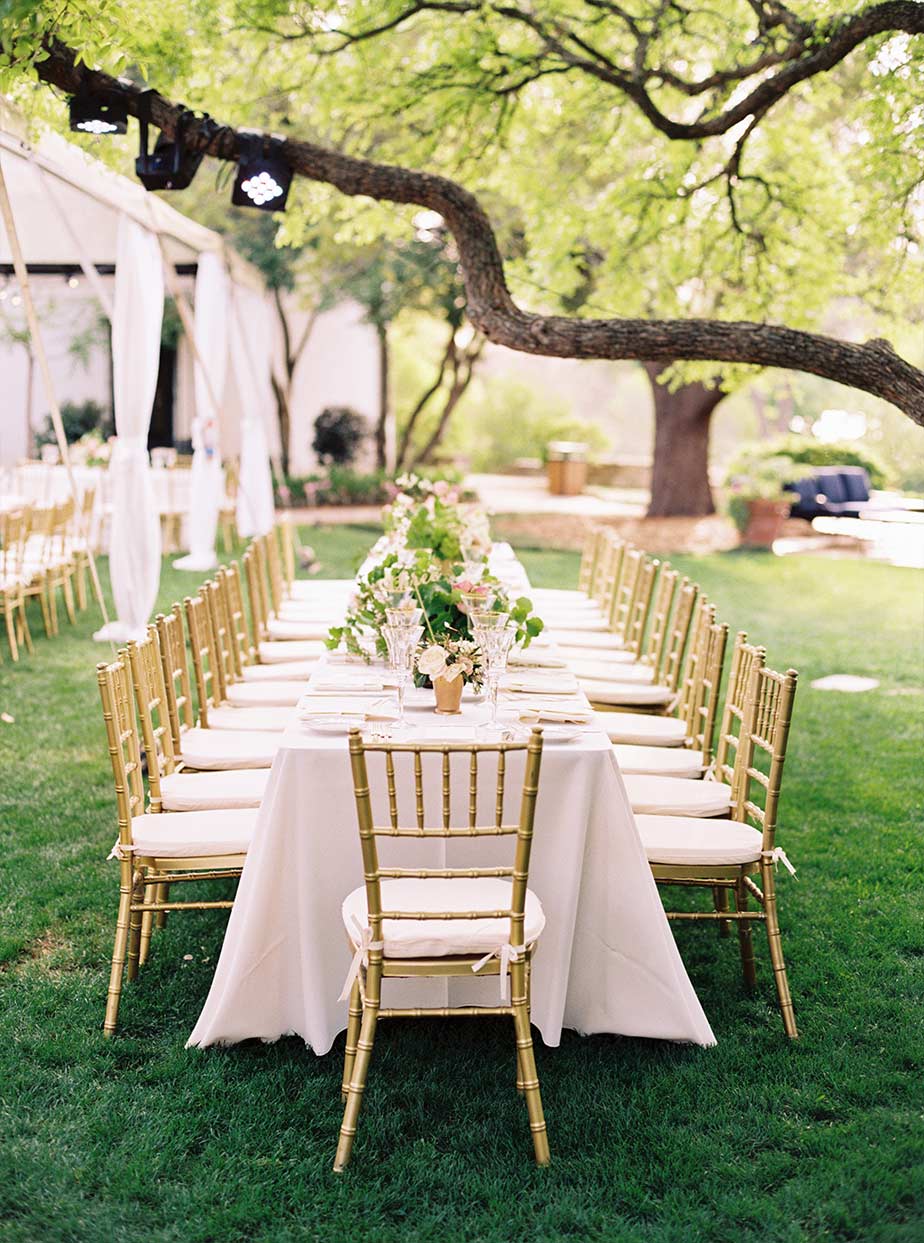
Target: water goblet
(402, 644)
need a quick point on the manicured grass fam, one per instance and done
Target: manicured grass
(757, 1139)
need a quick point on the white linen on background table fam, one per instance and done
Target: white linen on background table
(606, 961)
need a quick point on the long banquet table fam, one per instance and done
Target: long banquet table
(606, 961)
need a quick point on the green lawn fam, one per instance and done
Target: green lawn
(757, 1139)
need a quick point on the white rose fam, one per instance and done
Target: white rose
(432, 661)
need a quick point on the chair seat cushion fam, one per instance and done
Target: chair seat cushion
(672, 796)
(594, 640)
(321, 588)
(659, 761)
(273, 653)
(564, 595)
(277, 694)
(579, 623)
(284, 671)
(633, 693)
(213, 791)
(319, 612)
(608, 657)
(249, 718)
(595, 670)
(185, 834)
(218, 749)
(438, 938)
(639, 728)
(280, 628)
(686, 841)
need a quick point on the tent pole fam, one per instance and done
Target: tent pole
(38, 345)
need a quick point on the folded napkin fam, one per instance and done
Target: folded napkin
(556, 716)
(541, 684)
(347, 686)
(345, 658)
(536, 660)
(328, 706)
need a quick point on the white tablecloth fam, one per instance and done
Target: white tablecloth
(606, 962)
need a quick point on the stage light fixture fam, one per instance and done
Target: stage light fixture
(97, 114)
(263, 177)
(171, 165)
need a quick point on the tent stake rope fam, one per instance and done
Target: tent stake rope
(38, 345)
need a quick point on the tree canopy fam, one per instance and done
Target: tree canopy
(684, 181)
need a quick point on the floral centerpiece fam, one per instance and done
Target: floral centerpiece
(450, 664)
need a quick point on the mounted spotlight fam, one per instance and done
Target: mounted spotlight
(263, 177)
(97, 114)
(170, 166)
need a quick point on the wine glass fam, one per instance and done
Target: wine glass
(495, 643)
(402, 644)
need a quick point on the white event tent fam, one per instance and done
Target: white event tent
(69, 209)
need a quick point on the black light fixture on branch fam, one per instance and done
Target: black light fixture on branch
(97, 114)
(263, 176)
(171, 165)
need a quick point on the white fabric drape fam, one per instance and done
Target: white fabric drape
(211, 325)
(135, 542)
(251, 345)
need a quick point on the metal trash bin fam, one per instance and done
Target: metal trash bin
(566, 467)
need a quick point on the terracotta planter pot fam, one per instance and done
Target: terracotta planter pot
(765, 522)
(448, 695)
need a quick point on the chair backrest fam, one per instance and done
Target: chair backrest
(255, 567)
(607, 569)
(673, 668)
(14, 531)
(122, 737)
(220, 631)
(204, 661)
(762, 745)
(625, 591)
(147, 672)
(228, 579)
(730, 756)
(269, 549)
(593, 546)
(176, 673)
(442, 753)
(700, 705)
(641, 605)
(287, 549)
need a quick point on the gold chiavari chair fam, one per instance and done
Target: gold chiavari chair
(156, 849)
(665, 724)
(288, 622)
(714, 795)
(61, 566)
(171, 786)
(413, 922)
(200, 748)
(211, 666)
(36, 563)
(609, 691)
(696, 711)
(227, 514)
(553, 599)
(269, 651)
(226, 622)
(645, 633)
(318, 593)
(727, 855)
(79, 544)
(245, 653)
(14, 528)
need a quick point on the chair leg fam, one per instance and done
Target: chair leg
(69, 599)
(81, 583)
(50, 589)
(118, 952)
(134, 929)
(775, 942)
(46, 610)
(163, 895)
(24, 631)
(720, 900)
(745, 942)
(151, 894)
(360, 1068)
(527, 1062)
(11, 630)
(354, 1022)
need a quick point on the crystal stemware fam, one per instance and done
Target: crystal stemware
(495, 644)
(402, 643)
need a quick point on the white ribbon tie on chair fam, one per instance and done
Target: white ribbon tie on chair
(360, 958)
(778, 855)
(507, 954)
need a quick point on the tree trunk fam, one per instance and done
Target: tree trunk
(381, 426)
(680, 469)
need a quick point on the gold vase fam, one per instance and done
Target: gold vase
(448, 695)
